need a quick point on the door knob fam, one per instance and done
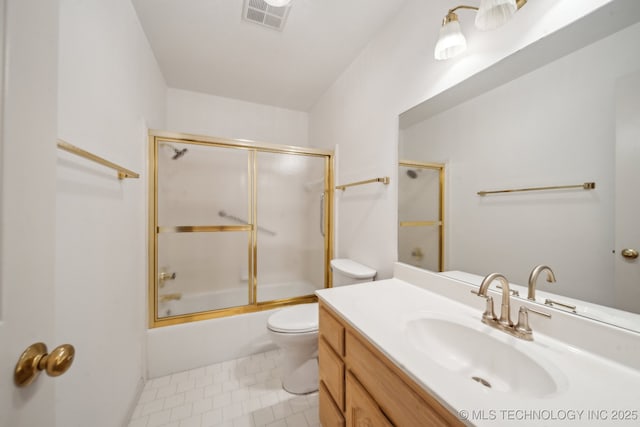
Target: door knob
(630, 253)
(35, 359)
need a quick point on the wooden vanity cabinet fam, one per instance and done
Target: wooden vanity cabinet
(359, 386)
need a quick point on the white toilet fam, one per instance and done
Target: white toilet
(295, 329)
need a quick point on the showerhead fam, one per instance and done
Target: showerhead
(412, 174)
(178, 153)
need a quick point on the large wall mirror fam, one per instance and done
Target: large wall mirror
(563, 111)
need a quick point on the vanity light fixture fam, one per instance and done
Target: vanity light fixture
(277, 3)
(490, 15)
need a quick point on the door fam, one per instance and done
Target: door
(292, 236)
(27, 232)
(627, 229)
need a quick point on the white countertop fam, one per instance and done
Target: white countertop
(592, 390)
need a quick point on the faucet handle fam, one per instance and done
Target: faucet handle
(167, 276)
(522, 328)
(489, 315)
(523, 322)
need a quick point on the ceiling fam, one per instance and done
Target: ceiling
(206, 46)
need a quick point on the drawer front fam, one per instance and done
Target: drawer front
(330, 415)
(331, 372)
(361, 409)
(397, 399)
(331, 329)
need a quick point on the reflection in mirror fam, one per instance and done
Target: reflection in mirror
(573, 120)
(420, 214)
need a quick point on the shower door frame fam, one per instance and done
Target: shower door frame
(158, 136)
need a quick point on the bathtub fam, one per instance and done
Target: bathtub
(191, 345)
(214, 300)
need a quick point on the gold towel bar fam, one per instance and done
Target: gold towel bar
(122, 172)
(384, 180)
(585, 186)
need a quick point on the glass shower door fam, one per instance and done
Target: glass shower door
(292, 221)
(235, 227)
(420, 214)
(203, 233)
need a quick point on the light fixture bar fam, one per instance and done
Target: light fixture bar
(464, 6)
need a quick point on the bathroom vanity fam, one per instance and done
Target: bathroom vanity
(360, 385)
(413, 351)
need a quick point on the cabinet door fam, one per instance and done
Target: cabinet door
(330, 415)
(362, 411)
(331, 372)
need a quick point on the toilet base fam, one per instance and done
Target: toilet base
(302, 378)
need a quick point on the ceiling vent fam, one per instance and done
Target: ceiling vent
(259, 12)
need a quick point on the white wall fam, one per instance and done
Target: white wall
(202, 114)
(110, 90)
(553, 126)
(394, 72)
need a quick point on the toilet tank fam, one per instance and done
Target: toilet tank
(347, 272)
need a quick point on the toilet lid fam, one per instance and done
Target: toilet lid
(352, 269)
(298, 318)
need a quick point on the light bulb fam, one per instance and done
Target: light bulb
(494, 13)
(451, 41)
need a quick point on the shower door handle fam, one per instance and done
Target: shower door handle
(322, 215)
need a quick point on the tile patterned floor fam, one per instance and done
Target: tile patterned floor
(244, 392)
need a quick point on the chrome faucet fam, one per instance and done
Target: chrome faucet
(521, 329)
(533, 278)
(505, 309)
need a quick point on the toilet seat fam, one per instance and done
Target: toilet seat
(295, 320)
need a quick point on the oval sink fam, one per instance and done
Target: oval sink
(474, 354)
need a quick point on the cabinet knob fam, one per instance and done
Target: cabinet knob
(630, 253)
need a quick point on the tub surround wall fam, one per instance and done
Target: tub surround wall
(110, 91)
(192, 345)
(393, 73)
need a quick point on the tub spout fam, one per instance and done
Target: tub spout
(170, 297)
